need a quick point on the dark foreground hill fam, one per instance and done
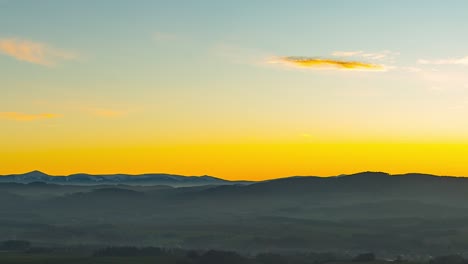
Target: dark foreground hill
(366, 212)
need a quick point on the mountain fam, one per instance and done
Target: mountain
(361, 187)
(363, 212)
(112, 179)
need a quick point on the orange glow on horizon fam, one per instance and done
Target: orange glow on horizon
(246, 161)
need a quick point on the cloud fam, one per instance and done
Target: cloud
(411, 69)
(386, 54)
(33, 52)
(15, 116)
(319, 63)
(346, 53)
(459, 61)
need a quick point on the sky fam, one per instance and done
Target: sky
(235, 89)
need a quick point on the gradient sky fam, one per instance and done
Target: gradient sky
(234, 89)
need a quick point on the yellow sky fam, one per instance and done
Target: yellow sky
(246, 161)
(237, 90)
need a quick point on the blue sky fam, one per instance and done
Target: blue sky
(131, 73)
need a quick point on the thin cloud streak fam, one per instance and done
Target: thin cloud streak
(383, 55)
(459, 61)
(16, 116)
(319, 63)
(33, 52)
(346, 53)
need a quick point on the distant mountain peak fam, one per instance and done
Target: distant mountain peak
(37, 172)
(370, 173)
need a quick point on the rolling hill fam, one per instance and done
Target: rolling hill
(142, 179)
(369, 211)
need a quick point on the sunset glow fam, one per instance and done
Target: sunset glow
(261, 91)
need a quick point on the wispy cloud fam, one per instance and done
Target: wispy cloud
(16, 116)
(345, 60)
(410, 69)
(321, 63)
(386, 54)
(346, 53)
(455, 61)
(33, 52)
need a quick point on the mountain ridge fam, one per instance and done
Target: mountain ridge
(176, 180)
(370, 211)
(131, 179)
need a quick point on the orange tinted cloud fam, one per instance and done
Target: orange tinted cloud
(318, 63)
(33, 52)
(25, 117)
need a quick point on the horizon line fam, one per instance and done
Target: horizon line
(232, 180)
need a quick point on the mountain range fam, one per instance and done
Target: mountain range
(109, 179)
(368, 211)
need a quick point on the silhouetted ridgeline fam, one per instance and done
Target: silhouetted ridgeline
(142, 179)
(410, 214)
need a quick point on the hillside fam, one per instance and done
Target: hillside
(411, 213)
